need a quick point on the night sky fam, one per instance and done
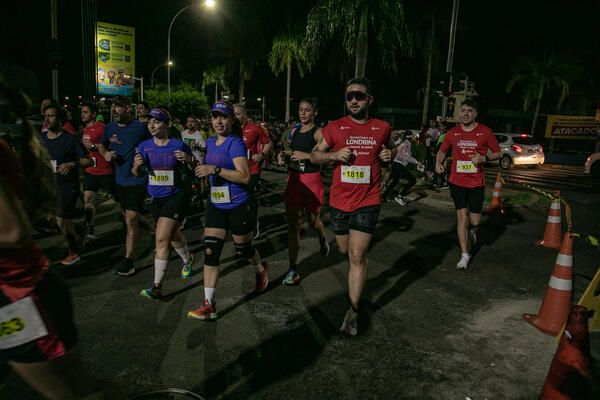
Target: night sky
(492, 38)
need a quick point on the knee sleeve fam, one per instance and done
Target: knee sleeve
(245, 249)
(212, 250)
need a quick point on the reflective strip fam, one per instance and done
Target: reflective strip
(497, 194)
(554, 220)
(555, 206)
(560, 284)
(498, 184)
(564, 260)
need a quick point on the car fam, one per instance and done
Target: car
(519, 149)
(592, 165)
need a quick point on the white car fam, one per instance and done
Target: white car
(519, 149)
(592, 165)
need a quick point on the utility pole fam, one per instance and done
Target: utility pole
(89, 18)
(450, 54)
(54, 36)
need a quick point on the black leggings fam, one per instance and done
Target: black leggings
(399, 171)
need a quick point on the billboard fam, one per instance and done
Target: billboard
(115, 49)
(571, 127)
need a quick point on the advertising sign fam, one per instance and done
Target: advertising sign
(115, 47)
(570, 127)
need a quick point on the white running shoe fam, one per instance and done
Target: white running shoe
(464, 262)
(349, 326)
(400, 200)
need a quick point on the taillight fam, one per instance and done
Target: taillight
(523, 135)
(541, 149)
(516, 148)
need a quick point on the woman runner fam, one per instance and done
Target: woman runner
(165, 160)
(304, 191)
(229, 208)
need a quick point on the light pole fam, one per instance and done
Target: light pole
(141, 85)
(207, 3)
(170, 63)
(262, 101)
(450, 58)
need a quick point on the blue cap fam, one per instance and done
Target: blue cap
(223, 108)
(159, 114)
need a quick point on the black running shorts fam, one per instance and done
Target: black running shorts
(362, 219)
(239, 220)
(68, 200)
(132, 197)
(92, 183)
(471, 198)
(175, 206)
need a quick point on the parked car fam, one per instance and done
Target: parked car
(592, 165)
(519, 149)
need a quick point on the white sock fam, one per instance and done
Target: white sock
(160, 269)
(184, 253)
(209, 294)
(466, 255)
(259, 267)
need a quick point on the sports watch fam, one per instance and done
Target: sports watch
(217, 171)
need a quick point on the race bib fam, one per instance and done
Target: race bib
(94, 162)
(220, 194)
(466, 167)
(20, 322)
(356, 174)
(53, 166)
(162, 178)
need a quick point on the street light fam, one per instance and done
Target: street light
(141, 85)
(208, 4)
(157, 67)
(262, 100)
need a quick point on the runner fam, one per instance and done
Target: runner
(304, 191)
(229, 207)
(399, 169)
(253, 136)
(358, 145)
(469, 142)
(67, 154)
(123, 136)
(101, 175)
(39, 338)
(164, 161)
(194, 139)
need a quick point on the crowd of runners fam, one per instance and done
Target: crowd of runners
(146, 161)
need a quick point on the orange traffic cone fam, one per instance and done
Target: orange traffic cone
(553, 233)
(496, 202)
(569, 376)
(557, 301)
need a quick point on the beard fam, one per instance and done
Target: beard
(360, 114)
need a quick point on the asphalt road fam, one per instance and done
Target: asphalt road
(426, 330)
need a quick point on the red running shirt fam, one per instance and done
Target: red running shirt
(93, 134)
(253, 135)
(357, 183)
(464, 144)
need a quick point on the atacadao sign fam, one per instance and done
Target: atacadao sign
(115, 47)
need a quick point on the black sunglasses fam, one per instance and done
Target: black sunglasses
(356, 95)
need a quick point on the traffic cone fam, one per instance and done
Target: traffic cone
(496, 202)
(557, 301)
(553, 233)
(569, 376)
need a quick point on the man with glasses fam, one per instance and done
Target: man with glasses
(67, 154)
(119, 144)
(357, 145)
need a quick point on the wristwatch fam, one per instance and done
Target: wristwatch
(93, 147)
(217, 171)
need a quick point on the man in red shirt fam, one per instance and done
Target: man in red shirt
(101, 175)
(357, 145)
(469, 142)
(253, 136)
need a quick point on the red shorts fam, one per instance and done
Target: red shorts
(304, 190)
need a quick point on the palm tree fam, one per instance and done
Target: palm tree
(287, 49)
(384, 18)
(535, 77)
(216, 76)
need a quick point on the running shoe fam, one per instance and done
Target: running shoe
(324, 246)
(464, 262)
(70, 259)
(186, 268)
(262, 278)
(126, 268)
(400, 200)
(291, 278)
(350, 324)
(256, 231)
(91, 234)
(444, 187)
(206, 311)
(153, 292)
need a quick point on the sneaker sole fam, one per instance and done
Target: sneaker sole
(211, 317)
(347, 332)
(295, 282)
(70, 262)
(128, 273)
(147, 296)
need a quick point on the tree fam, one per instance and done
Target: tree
(216, 76)
(186, 99)
(535, 77)
(328, 19)
(287, 49)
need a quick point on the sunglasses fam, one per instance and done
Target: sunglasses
(360, 96)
